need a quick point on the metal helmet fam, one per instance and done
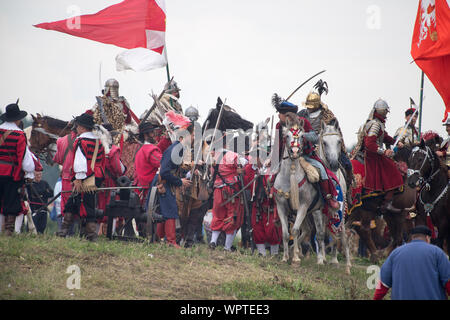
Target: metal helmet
(112, 88)
(381, 107)
(171, 87)
(192, 113)
(312, 100)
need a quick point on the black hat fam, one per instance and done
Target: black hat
(13, 113)
(85, 120)
(145, 127)
(421, 230)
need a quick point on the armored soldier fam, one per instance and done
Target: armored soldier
(113, 109)
(170, 97)
(409, 135)
(16, 164)
(316, 112)
(382, 173)
(310, 138)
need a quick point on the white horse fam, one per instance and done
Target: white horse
(330, 146)
(295, 194)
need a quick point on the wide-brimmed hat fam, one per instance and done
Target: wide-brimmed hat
(85, 120)
(13, 113)
(145, 127)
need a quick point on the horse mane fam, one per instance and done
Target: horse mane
(56, 123)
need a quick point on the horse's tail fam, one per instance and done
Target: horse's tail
(294, 197)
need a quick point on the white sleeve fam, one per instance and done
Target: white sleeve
(58, 188)
(28, 164)
(242, 161)
(80, 165)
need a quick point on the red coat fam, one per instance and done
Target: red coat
(265, 221)
(146, 164)
(381, 172)
(63, 145)
(12, 152)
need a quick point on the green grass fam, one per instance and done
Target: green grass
(34, 267)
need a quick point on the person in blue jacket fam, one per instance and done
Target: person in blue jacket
(180, 130)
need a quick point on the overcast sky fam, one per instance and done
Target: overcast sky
(241, 50)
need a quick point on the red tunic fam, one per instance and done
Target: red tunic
(113, 170)
(381, 172)
(64, 144)
(146, 164)
(227, 218)
(12, 152)
(265, 221)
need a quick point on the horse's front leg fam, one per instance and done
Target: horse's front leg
(283, 215)
(301, 214)
(320, 236)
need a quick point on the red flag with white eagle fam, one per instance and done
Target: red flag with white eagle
(431, 44)
(138, 25)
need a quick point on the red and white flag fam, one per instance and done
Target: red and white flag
(137, 25)
(431, 44)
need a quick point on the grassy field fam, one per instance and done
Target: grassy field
(35, 267)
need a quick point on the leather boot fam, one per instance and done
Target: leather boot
(387, 203)
(328, 194)
(66, 224)
(91, 231)
(170, 230)
(10, 222)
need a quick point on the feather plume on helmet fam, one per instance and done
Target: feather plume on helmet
(314, 98)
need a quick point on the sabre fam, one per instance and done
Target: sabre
(304, 84)
(402, 132)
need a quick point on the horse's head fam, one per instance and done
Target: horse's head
(293, 134)
(421, 164)
(38, 139)
(331, 144)
(44, 133)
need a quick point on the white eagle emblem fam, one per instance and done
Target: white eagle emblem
(427, 19)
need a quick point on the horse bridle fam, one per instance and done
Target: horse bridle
(296, 134)
(321, 143)
(428, 156)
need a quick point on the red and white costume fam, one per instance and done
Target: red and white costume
(64, 151)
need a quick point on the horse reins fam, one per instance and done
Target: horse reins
(425, 183)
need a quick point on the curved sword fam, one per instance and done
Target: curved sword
(304, 84)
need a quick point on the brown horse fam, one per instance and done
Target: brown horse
(44, 133)
(427, 174)
(362, 218)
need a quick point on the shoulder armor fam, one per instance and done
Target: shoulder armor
(372, 128)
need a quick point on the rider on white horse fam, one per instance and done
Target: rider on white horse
(308, 153)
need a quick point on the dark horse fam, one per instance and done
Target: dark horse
(362, 216)
(427, 174)
(44, 133)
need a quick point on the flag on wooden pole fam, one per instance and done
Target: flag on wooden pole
(430, 46)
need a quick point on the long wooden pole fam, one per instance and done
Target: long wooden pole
(421, 105)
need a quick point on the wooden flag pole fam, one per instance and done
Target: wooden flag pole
(421, 105)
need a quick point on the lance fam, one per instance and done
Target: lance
(219, 118)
